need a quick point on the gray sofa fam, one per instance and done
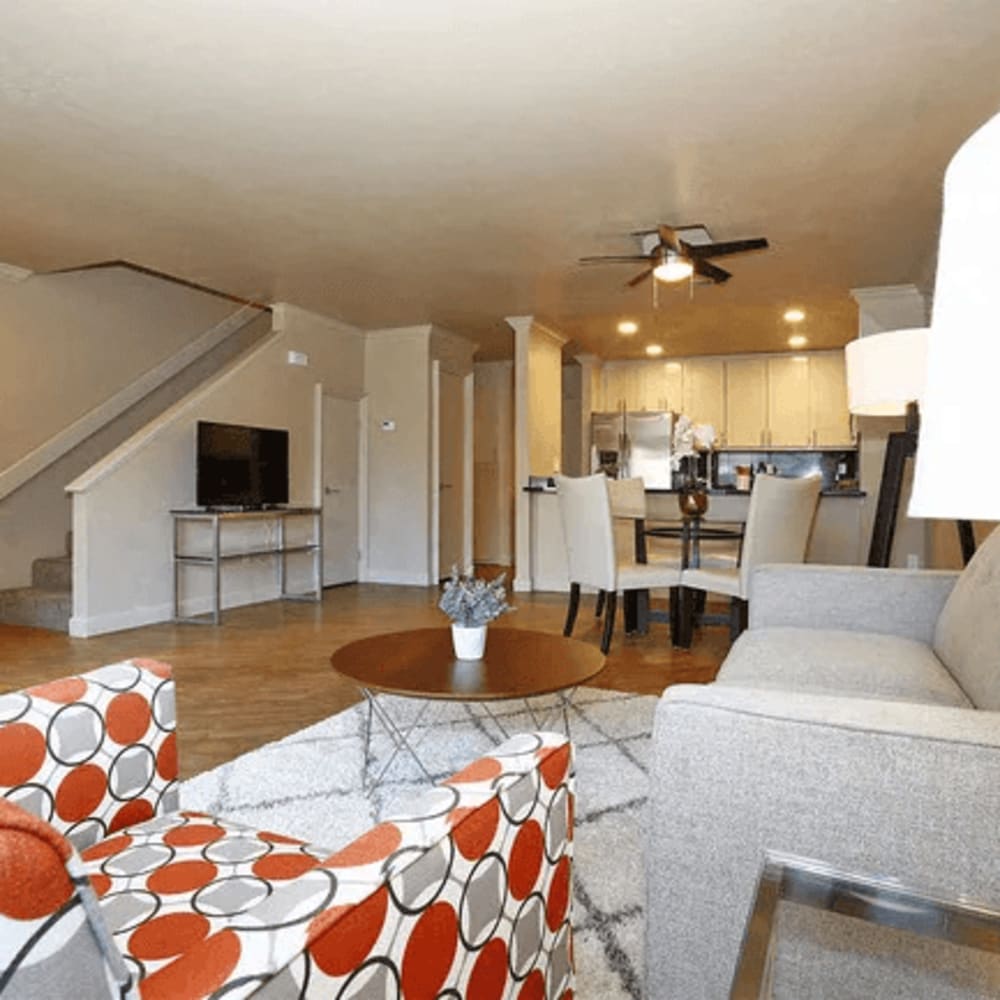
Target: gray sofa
(856, 722)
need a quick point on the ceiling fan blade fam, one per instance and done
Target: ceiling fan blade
(669, 238)
(640, 277)
(615, 260)
(704, 268)
(727, 247)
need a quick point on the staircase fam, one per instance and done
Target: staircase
(48, 602)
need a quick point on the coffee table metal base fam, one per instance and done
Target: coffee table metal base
(401, 734)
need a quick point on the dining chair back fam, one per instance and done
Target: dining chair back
(585, 508)
(627, 497)
(779, 522)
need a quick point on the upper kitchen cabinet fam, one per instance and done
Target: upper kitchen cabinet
(623, 382)
(831, 420)
(746, 403)
(664, 388)
(788, 418)
(643, 385)
(704, 392)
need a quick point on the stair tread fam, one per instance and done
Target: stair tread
(36, 607)
(40, 593)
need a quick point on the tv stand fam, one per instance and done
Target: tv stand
(279, 548)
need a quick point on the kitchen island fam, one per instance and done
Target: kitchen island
(836, 536)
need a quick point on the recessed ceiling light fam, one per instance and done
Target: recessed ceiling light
(794, 315)
(654, 350)
(627, 327)
(797, 340)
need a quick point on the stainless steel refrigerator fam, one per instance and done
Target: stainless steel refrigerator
(627, 445)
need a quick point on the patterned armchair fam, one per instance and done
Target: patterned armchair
(468, 895)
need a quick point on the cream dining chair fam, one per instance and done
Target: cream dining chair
(779, 522)
(585, 506)
(629, 512)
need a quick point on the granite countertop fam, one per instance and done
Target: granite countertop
(718, 492)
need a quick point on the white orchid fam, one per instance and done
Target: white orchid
(689, 439)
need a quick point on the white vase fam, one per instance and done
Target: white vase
(470, 642)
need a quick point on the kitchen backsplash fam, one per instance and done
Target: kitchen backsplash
(839, 469)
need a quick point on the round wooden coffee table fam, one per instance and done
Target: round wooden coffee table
(518, 664)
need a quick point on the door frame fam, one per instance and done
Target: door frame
(361, 529)
(468, 400)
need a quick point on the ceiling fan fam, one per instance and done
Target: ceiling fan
(673, 253)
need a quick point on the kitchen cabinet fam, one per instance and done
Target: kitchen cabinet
(664, 389)
(624, 381)
(746, 403)
(761, 401)
(704, 391)
(644, 385)
(788, 417)
(831, 421)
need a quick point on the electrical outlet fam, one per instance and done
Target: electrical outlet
(912, 560)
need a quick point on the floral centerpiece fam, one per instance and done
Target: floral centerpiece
(472, 603)
(689, 441)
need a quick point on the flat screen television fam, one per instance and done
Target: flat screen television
(241, 466)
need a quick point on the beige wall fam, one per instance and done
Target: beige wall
(398, 384)
(70, 341)
(121, 521)
(544, 402)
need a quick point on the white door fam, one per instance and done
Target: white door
(341, 428)
(451, 436)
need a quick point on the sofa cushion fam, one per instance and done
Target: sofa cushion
(172, 888)
(865, 664)
(967, 636)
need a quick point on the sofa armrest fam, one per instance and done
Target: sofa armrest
(94, 753)
(467, 888)
(898, 789)
(53, 939)
(903, 602)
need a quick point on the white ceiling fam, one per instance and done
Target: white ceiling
(391, 162)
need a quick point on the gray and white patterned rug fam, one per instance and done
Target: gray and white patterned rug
(309, 785)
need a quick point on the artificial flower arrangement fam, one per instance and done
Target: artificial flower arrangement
(471, 601)
(688, 441)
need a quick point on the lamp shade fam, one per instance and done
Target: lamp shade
(885, 371)
(957, 472)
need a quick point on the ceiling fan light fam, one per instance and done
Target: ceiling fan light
(673, 268)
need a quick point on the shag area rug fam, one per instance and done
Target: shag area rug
(309, 785)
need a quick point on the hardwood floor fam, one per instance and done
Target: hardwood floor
(265, 673)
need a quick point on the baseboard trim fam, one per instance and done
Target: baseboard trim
(86, 626)
(396, 577)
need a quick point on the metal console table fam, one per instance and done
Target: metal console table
(215, 557)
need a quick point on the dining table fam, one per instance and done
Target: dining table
(691, 530)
